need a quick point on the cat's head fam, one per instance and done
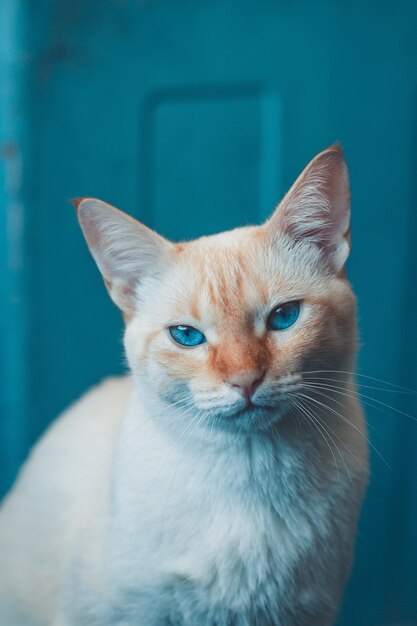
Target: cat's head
(226, 325)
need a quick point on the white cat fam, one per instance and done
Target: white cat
(220, 484)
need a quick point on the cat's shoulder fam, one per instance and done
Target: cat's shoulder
(64, 481)
(100, 409)
(81, 438)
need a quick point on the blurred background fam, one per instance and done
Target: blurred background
(196, 116)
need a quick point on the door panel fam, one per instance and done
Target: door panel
(196, 117)
(205, 149)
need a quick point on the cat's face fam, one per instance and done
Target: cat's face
(259, 313)
(224, 327)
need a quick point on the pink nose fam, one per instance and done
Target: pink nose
(246, 382)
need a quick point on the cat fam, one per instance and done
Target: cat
(216, 485)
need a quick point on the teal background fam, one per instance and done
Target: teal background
(196, 116)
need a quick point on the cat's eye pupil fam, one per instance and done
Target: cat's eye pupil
(284, 316)
(187, 335)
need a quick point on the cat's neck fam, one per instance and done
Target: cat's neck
(163, 476)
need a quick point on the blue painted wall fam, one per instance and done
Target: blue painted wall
(197, 116)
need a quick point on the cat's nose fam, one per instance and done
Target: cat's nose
(246, 382)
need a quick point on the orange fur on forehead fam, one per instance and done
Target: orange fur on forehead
(225, 280)
(223, 275)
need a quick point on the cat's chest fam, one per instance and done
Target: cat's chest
(233, 519)
(205, 538)
(229, 549)
(225, 562)
(236, 550)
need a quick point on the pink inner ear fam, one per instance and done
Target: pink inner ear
(317, 207)
(124, 250)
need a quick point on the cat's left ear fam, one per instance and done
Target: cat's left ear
(317, 208)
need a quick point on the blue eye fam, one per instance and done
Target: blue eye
(187, 336)
(284, 316)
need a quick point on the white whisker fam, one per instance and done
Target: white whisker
(326, 406)
(359, 375)
(338, 438)
(364, 398)
(312, 417)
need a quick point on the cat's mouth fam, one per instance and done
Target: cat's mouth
(252, 407)
(253, 414)
(247, 413)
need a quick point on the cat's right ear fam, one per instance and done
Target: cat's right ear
(125, 250)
